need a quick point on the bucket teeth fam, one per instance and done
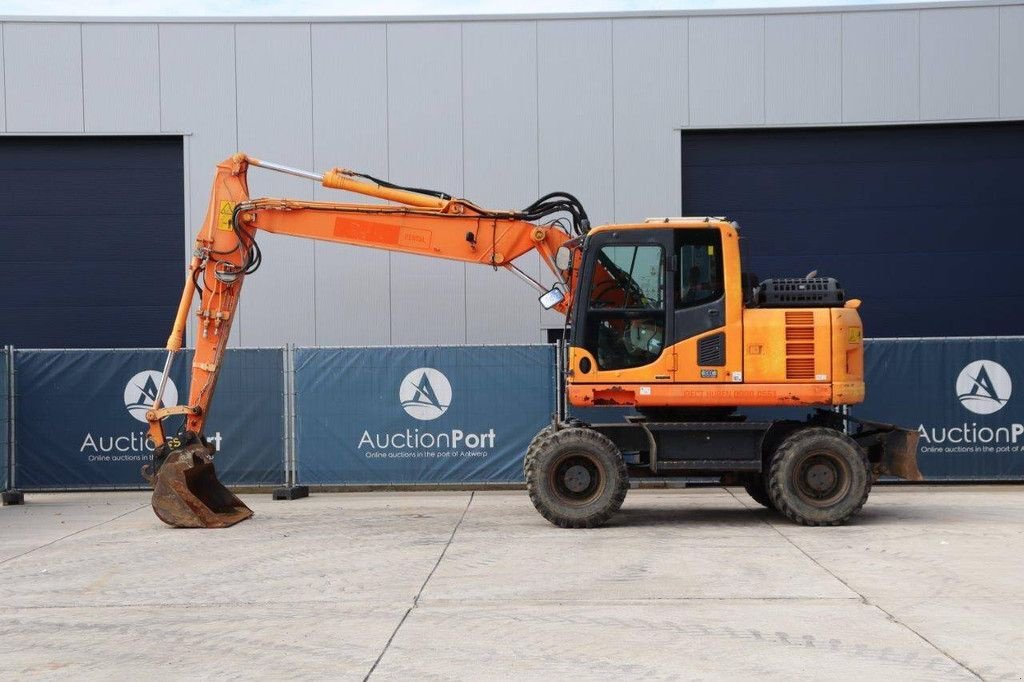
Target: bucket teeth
(187, 494)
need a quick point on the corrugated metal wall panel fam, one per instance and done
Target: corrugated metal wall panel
(605, 94)
(575, 120)
(187, 52)
(275, 123)
(726, 70)
(428, 296)
(650, 74)
(121, 77)
(1011, 61)
(960, 63)
(43, 73)
(352, 283)
(500, 123)
(803, 78)
(880, 66)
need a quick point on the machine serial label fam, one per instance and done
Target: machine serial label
(709, 374)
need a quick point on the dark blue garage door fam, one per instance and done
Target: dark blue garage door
(92, 231)
(923, 223)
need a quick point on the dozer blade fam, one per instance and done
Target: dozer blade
(187, 494)
(896, 449)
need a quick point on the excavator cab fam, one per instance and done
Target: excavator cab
(657, 303)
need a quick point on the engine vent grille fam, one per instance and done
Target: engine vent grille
(800, 368)
(800, 345)
(801, 317)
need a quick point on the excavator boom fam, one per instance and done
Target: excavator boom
(187, 492)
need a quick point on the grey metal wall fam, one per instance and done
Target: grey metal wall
(498, 110)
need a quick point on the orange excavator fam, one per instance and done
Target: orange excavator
(660, 318)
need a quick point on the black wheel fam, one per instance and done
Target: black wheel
(758, 490)
(819, 477)
(537, 440)
(576, 477)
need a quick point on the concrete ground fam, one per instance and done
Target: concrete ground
(701, 583)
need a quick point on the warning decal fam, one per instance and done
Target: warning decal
(224, 215)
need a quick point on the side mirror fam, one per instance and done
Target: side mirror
(550, 299)
(563, 258)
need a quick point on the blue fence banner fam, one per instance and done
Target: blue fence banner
(81, 420)
(5, 446)
(441, 415)
(420, 414)
(965, 396)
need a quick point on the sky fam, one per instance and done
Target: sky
(342, 8)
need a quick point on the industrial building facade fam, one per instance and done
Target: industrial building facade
(881, 145)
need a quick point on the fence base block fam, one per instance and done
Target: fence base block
(13, 497)
(294, 492)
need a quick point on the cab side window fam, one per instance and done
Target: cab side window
(626, 309)
(700, 268)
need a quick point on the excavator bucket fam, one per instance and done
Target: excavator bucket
(892, 449)
(187, 494)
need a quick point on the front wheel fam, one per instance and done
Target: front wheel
(819, 477)
(576, 477)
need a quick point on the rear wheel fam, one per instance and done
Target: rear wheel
(819, 477)
(576, 477)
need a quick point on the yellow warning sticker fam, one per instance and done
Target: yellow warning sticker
(855, 335)
(224, 215)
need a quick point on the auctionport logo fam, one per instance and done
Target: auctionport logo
(425, 393)
(983, 387)
(140, 393)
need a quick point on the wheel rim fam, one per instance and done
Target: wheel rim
(577, 479)
(822, 478)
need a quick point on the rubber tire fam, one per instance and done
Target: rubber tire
(757, 488)
(786, 460)
(545, 452)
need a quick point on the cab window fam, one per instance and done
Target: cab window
(700, 267)
(626, 307)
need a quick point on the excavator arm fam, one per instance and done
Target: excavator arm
(424, 222)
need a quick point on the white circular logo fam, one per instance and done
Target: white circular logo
(140, 392)
(983, 386)
(425, 393)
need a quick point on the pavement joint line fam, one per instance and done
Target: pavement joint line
(436, 603)
(865, 599)
(416, 599)
(71, 535)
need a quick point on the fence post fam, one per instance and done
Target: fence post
(560, 362)
(11, 495)
(291, 490)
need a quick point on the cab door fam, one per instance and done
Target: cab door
(707, 333)
(622, 320)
